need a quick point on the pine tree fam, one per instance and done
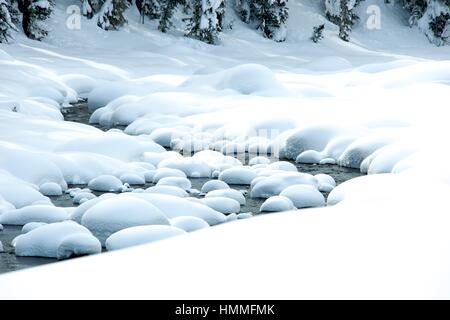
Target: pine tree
(271, 16)
(206, 21)
(342, 13)
(317, 33)
(90, 7)
(111, 14)
(345, 21)
(167, 9)
(6, 22)
(35, 12)
(416, 8)
(149, 8)
(243, 10)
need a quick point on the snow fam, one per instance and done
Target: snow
(140, 235)
(167, 172)
(180, 182)
(227, 193)
(191, 167)
(277, 204)
(34, 213)
(304, 196)
(239, 175)
(114, 214)
(50, 189)
(56, 240)
(222, 204)
(310, 157)
(325, 179)
(132, 179)
(273, 185)
(31, 226)
(171, 190)
(258, 160)
(105, 183)
(189, 224)
(1, 247)
(82, 196)
(214, 185)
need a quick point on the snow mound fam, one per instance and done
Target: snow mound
(277, 204)
(267, 187)
(325, 179)
(170, 190)
(34, 213)
(189, 224)
(304, 196)
(31, 226)
(283, 166)
(214, 185)
(50, 189)
(167, 172)
(105, 183)
(259, 160)
(1, 247)
(192, 167)
(180, 182)
(83, 196)
(80, 83)
(238, 175)
(132, 179)
(57, 240)
(309, 157)
(227, 193)
(78, 213)
(114, 214)
(222, 204)
(140, 235)
(155, 158)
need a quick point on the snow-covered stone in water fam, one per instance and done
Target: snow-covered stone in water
(180, 182)
(34, 213)
(32, 225)
(45, 241)
(232, 217)
(194, 192)
(50, 189)
(273, 185)
(189, 224)
(259, 160)
(309, 157)
(337, 146)
(140, 235)
(327, 161)
(304, 196)
(1, 247)
(148, 175)
(245, 215)
(155, 158)
(138, 190)
(114, 214)
(325, 179)
(171, 190)
(1, 227)
(283, 166)
(227, 193)
(355, 153)
(192, 167)
(215, 174)
(222, 204)
(78, 213)
(277, 204)
(78, 244)
(83, 197)
(105, 183)
(325, 187)
(132, 179)
(214, 185)
(167, 172)
(238, 175)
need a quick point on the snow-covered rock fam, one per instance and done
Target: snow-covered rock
(31, 226)
(171, 190)
(106, 183)
(309, 157)
(214, 185)
(180, 182)
(57, 240)
(189, 224)
(227, 193)
(192, 167)
(1, 247)
(277, 204)
(140, 235)
(237, 175)
(34, 213)
(114, 214)
(283, 166)
(325, 179)
(167, 172)
(223, 204)
(304, 196)
(50, 189)
(132, 179)
(81, 197)
(273, 185)
(259, 160)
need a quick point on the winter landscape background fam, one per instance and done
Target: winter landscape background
(164, 144)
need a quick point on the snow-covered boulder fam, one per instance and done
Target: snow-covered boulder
(282, 166)
(192, 167)
(227, 193)
(132, 179)
(259, 160)
(167, 172)
(189, 224)
(105, 183)
(171, 190)
(114, 214)
(1, 227)
(180, 182)
(79, 211)
(141, 235)
(214, 185)
(238, 175)
(155, 158)
(304, 196)
(309, 157)
(57, 240)
(50, 189)
(273, 185)
(1, 247)
(222, 204)
(277, 204)
(81, 197)
(34, 213)
(32, 225)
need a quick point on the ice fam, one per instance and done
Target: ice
(180, 182)
(34, 213)
(273, 185)
(50, 189)
(228, 193)
(189, 224)
(31, 226)
(239, 175)
(277, 204)
(304, 196)
(140, 235)
(105, 183)
(57, 240)
(171, 190)
(222, 204)
(167, 172)
(114, 214)
(214, 185)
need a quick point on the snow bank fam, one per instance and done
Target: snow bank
(34, 213)
(141, 235)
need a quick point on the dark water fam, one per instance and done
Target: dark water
(79, 113)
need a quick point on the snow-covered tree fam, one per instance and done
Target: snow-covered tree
(111, 14)
(317, 33)
(435, 22)
(272, 16)
(342, 13)
(90, 7)
(168, 8)
(7, 25)
(243, 9)
(149, 8)
(206, 20)
(35, 12)
(416, 8)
